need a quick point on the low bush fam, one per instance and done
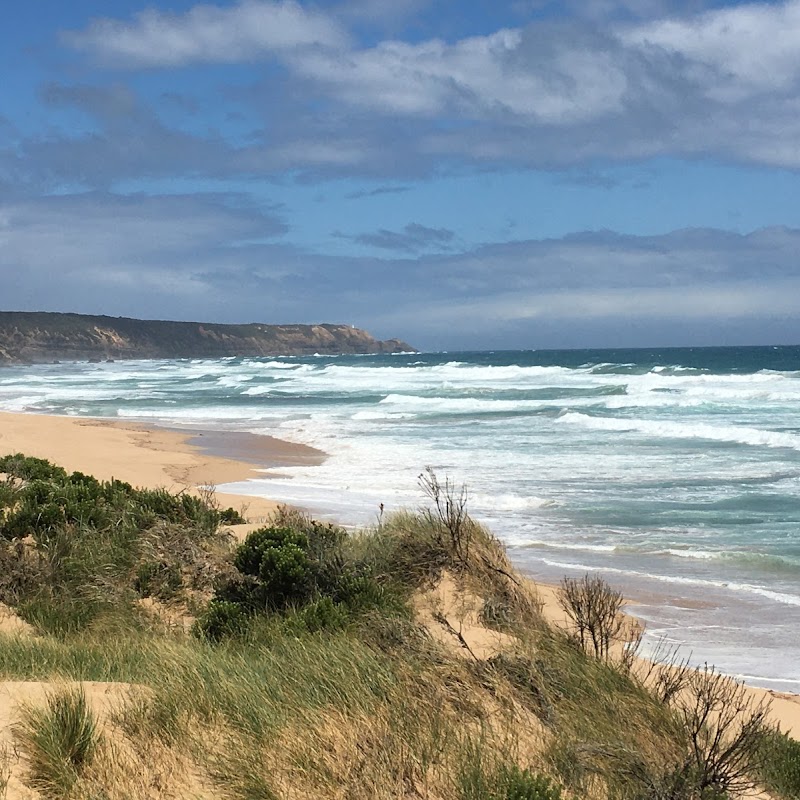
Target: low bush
(221, 620)
(321, 615)
(49, 499)
(230, 516)
(9, 495)
(507, 782)
(780, 765)
(522, 784)
(278, 560)
(29, 468)
(302, 572)
(77, 548)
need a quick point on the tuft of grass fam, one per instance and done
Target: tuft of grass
(143, 719)
(57, 615)
(506, 782)
(5, 770)
(489, 772)
(59, 741)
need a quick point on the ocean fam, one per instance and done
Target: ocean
(674, 473)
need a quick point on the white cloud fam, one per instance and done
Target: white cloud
(243, 32)
(111, 250)
(737, 51)
(710, 303)
(477, 77)
(723, 83)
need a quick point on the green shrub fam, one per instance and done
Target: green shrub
(250, 553)
(51, 499)
(322, 615)
(363, 593)
(522, 784)
(278, 560)
(230, 516)
(29, 468)
(285, 575)
(9, 495)
(780, 769)
(507, 782)
(305, 572)
(221, 620)
(59, 741)
(93, 542)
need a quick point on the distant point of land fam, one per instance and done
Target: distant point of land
(36, 337)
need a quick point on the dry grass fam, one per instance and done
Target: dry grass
(375, 708)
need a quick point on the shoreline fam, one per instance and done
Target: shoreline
(154, 456)
(179, 459)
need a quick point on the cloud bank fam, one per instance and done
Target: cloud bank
(214, 258)
(550, 93)
(208, 34)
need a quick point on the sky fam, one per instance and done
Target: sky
(463, 175)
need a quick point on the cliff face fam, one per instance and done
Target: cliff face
(27, 337)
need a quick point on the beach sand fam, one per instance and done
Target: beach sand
(154, 457)
(179, 460)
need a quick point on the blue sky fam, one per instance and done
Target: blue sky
(459, 174)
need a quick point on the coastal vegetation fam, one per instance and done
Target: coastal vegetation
(164, 650)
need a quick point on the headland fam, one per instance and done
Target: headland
(36, 337)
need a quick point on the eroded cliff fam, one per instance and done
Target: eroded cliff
(31, 337)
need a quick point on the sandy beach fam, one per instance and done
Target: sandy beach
(154, 457)
(178, 460)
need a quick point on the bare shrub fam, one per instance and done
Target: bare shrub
(449, 512)
(595, 610)
(632, 634)
(289, 517)
(5, 770)
(725, 727)
(667, 673)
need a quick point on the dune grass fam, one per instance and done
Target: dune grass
(307, 673)
(59, 741)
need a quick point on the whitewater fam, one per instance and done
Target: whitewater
(674, 473)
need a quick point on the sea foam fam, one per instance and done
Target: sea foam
(668, 471)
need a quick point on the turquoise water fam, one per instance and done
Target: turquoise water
(675, 473)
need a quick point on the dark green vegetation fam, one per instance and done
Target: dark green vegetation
(43, 337)
(315, 663)
(78, 548)
(780, 770)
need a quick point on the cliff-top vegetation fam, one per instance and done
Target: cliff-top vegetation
(164, 651)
